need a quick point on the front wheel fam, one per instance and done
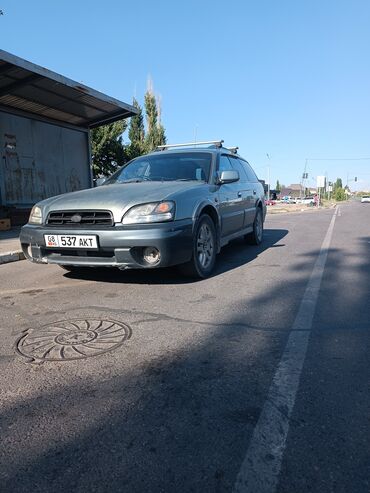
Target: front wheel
(204, 250)
(256, 237)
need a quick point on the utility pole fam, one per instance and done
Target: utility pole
(303, 179)
(195, 134)
(268, 178)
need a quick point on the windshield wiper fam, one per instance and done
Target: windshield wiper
(182, 179)
(132, 180)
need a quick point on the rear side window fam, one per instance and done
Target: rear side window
(239, 167)
(248, 170)
(224, 164)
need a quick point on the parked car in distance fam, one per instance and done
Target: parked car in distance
(178, 205)
(305, 200)
(365, 198)
(270, 202)
(288, 200)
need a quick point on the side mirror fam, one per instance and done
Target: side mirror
(99, 182)
(229, 176)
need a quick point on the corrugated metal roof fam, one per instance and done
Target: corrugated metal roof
(34, 89)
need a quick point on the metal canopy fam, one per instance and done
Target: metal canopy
(33, 89)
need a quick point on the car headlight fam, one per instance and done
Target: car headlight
(36, 215)
(150, 213)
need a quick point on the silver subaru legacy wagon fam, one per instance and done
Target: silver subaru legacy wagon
(178, 205)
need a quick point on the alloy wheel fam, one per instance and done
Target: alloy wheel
(205, 246)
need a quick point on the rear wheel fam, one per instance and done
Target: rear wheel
(256, 237)
(204, 250)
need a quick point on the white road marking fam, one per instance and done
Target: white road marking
(260, 469)
(339, 211)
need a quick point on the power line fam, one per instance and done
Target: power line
(340, 159)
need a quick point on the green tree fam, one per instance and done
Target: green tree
(340, 194)
(155, 135)
(136, 133)
(108, 151)
(338, 183)
(161, 135)
(278, 186)
(151, 120)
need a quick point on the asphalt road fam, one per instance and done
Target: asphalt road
(179, 405)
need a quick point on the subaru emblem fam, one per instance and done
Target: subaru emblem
(76, 218)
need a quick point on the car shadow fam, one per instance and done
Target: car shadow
(232, 256)
(182, 419)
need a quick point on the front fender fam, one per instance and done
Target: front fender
(209, 207)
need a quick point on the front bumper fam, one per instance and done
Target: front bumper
(118, 246)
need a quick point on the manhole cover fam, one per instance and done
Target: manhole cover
(72, 339)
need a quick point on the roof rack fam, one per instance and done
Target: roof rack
(233, 149)
(216, 143)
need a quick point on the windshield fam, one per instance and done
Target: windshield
(165, 167)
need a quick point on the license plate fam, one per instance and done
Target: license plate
(71, 241)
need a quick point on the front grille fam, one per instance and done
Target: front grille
(65, 252)
(88, 218)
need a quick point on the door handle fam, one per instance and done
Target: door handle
(254, 192)
(239, 194)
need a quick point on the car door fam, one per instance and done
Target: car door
(245, 191)
(230, 202)
(252, 192)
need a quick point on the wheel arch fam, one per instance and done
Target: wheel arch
(260, 205)
(211, 211)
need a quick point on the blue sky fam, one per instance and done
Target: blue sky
(286, 78)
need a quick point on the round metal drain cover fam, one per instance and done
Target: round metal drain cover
(72, 339)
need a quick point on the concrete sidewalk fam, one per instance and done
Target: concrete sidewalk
(10, 248)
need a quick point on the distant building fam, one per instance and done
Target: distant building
(294, 190)
(263, 183)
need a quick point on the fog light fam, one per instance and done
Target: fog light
(151, 255)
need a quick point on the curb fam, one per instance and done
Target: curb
(5, 258)
(278, 210)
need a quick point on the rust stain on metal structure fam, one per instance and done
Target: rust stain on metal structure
(40, 160)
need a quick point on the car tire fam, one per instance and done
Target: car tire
(203, 257)
(256, 236)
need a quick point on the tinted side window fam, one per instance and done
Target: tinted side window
(224, 164)
(238, 166)
(249, 171)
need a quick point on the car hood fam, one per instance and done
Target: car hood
(117, 198)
